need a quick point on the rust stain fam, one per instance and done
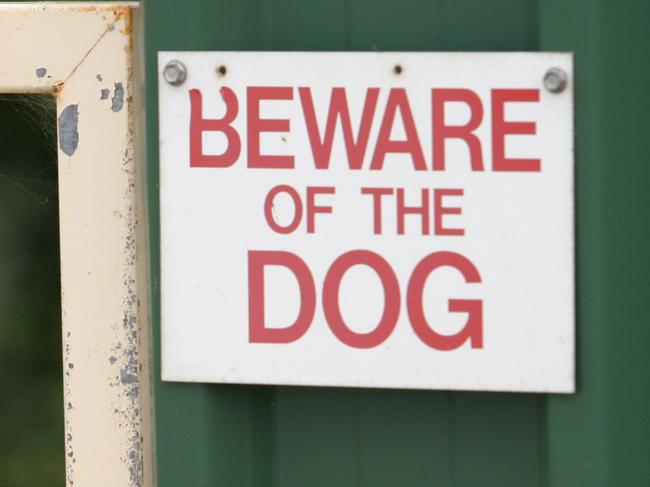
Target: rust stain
(127, 16)
(126, 13)
(118, 12)
(88, 7)
(84, 8)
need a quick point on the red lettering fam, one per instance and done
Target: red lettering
(441, 131)
(312, 208)
(338, 109)
(473, 329)
(198, 125)
(422, 210)
(397, 100)
(257, 125)
(268, 209)
(376, 194)
(332, 310)
(440, 211)
(258, 331)
(501, 128)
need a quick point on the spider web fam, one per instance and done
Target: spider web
(38, 113)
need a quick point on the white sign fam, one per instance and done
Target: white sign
(399, 220)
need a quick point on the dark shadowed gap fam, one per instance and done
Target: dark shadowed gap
(31, 392)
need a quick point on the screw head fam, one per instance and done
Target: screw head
(556, 80)
(175, 73)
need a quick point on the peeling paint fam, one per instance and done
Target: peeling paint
(68, 130)
(118, 97)
(127, 378)
(41, 72)
(118, 397)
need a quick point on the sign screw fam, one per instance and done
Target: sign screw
(556, 80)
(175, 73)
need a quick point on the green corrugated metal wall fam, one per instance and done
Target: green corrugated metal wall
(213, 435)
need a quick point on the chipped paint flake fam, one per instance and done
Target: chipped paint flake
(69, 130)
(117, 102)
(127, 378)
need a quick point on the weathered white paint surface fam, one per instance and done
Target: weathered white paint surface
(82, 53)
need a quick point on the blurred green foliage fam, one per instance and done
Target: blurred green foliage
(31, 392)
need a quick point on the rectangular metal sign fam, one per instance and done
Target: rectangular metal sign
(400, 220)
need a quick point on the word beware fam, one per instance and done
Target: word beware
(356, 144)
